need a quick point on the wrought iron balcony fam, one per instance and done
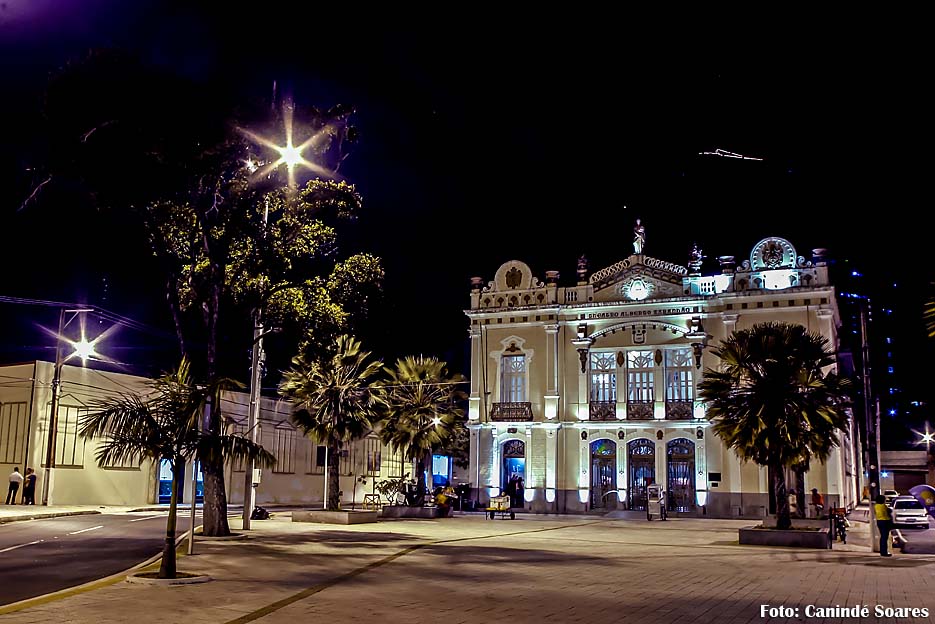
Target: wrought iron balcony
(640, 410)
(679, 410)
(602, 410)
(511, 412)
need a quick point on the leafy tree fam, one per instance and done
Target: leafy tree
(203, 210)
(424, 409)
(334, 402)
(771, 402)
(164, 424)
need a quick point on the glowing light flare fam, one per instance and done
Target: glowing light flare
(926, 438)
(84, 349)
(290, 154)
(436, 421)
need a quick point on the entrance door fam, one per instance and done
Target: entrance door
(680, 481)
(603, 474)
(513, 474)
(641, 456)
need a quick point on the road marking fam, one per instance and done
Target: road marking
(100, 526)
(20, 546)
(147, 518)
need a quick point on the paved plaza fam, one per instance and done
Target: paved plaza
(532, 569)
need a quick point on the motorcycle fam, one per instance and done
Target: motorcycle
(840, 527)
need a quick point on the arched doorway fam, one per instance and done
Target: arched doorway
(680, 480)
(513, 470)
(641, 458)
(603, 474)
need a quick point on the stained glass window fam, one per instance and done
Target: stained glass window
(678, 372)
(513, 379)
(603, 447)
(603, 377)
(640, 376)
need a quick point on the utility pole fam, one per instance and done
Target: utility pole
(53, 411)
(871, 411)
(257, 358)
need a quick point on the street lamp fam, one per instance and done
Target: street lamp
(82, 349)
(291, 156)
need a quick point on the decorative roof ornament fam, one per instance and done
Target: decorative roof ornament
(639, 238)
(773, 253)
(582, 270)
(696, 257)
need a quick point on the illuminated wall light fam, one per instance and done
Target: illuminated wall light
(550, 495)
(701, 496)
(583, 495)
(778, 279)
(721, 283)
(529, 494)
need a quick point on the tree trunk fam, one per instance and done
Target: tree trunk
(800, 492)
(167, 567)
(215, 498)
(334, 481)
(783, 517)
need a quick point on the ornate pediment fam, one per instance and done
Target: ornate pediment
(637, 278)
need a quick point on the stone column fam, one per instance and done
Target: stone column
(477, 361)
(551, 362)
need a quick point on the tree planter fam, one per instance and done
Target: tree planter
(344, 516)
(149, 578)
(796, 538)
(404, 511)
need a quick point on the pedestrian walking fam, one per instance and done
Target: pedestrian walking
(29, 487)
(884, 518)
(15, 479)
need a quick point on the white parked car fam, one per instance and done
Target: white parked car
(907, 511)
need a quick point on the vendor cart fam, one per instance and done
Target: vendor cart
(500, 505)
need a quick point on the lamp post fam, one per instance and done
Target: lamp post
(291, 156)
(83, 349)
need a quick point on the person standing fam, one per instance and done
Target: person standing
(15, 479)
(884, 518)
(817, 502)
(29, 487)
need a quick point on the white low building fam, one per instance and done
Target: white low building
(589, 392)
(297, 478)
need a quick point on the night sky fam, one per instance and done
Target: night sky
(486, 138)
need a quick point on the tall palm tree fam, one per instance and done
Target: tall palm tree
(424, 408)
(772, 403)
(334, 402)
(163, 424)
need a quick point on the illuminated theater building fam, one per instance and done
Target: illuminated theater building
(590, 392)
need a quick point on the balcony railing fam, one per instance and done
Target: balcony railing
(640, 410)
(679, 410)
(602, 410)
(511, 412)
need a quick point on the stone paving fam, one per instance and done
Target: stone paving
(534, 569)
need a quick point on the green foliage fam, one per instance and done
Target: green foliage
(390, 489)
(333, 401)
(771, 402)
(164, 424)
(423, 406)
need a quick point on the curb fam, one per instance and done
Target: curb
(40, 516)
(85, 587)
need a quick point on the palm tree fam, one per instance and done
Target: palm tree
(772, 404)
(334, 402)
(163, 424)
(424, 410)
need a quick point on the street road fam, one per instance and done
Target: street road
(46, 555)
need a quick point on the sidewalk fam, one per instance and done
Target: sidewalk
(14, 513)
(470, 569)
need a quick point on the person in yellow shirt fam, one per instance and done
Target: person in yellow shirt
(884, 518)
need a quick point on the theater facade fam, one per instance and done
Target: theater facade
(589, 392)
